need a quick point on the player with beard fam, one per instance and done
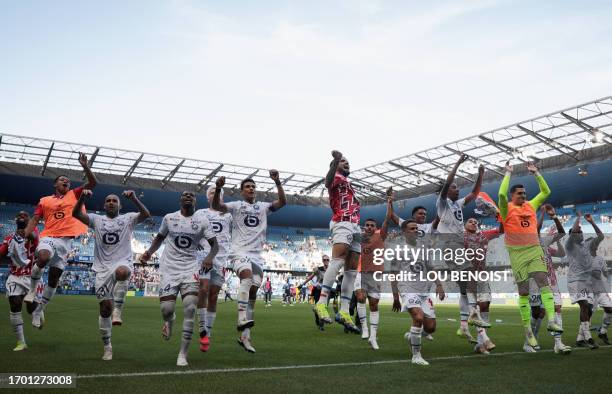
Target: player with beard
(450, 214)
(56, 238)
(250, 223)
(182, 233)
(346, 240)
(21, 251)
(113, 257)
(211, 282)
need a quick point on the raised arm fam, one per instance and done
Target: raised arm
(143, 212)
(77, 211)
(472, 196)
(502, 195)
(329, 178)
(91, 178)
(384, 229)
(216, 204)
(544, 190)
(600, 236)
(282, 199)
(390, 211)
(451, 177)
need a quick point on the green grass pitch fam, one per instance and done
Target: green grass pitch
(287, 336)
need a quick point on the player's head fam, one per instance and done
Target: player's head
(210, 194)
(453, 192)
(112, 205)
(471, 225)
(419, 214)
(61, 184)
(370, 226)
(343, 166)
(410, 229)
(576, 235)
(248, 189)
(21, 220)
(518, 194)
(188, 199)
(325, 259)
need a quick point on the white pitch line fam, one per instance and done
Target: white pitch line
(291, 367)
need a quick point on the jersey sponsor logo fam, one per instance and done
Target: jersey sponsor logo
(217, 226)
(420, 233)
(194, 226)
(110, 238)
(59, 215)
(458, 215)
(251, 221)
(183, 242)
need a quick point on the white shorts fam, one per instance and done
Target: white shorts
(105, 282)
(365, 281)
(419, 300)
(17, 285)
(59, 249)
(602, 300)
(483, 292)
(347, 233)
(580, 291)
(173, 285)
(535, 299)
(215, 277)
(251, 262)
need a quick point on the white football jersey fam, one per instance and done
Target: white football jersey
(418, 268)
(600, 275)
(451, 216)
(579, 260)
(183, 237)
(250, 222)
(222, 227)
(113, 240)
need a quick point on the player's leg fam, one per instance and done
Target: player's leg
(540, 274)
(44, 253)
(16, 319)
(525, 311)
(559, 347)
(472, 297)
(189, 294)
(361, 296)
(168, 290)
(606, 321)
(483, 337)
(242, 267)
(464, 313)
(584, 338)
(122, 275)
(203, 292)
(105, 326)
(346, 291)
(339, 252)
(211, 308)
(315, 294)
(374, 318)
(245, 338)
(415, 334)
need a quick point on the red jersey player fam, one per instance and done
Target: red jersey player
(346, 240)
(21, 252)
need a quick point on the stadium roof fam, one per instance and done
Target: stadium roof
(565, 134)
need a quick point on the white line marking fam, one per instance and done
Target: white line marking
(291, 367)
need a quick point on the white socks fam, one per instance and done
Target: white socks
(106, 325)
(189, 308)
(464, 310)
(415, 340)
(329, 278)
(119, 292)
(17, 323)
(373, 323)
(346, 292)
(209, 321)
(202, 320)
(243, 298)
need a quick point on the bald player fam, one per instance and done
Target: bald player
(113, 257)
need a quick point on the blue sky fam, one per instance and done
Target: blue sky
(281, 83)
